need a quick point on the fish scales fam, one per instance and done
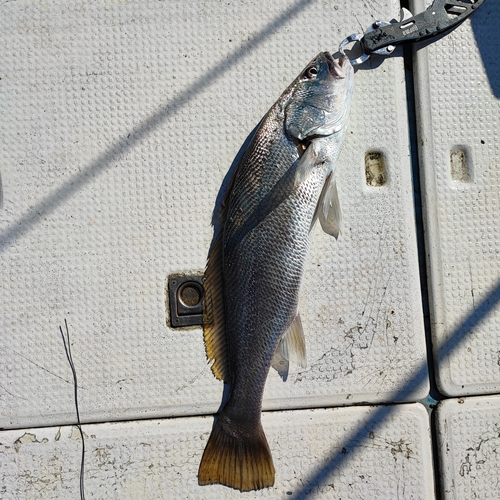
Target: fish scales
(281, 185)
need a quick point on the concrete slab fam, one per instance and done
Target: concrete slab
(119, 123)
(457, 97)
(355, 452)
(468, 431)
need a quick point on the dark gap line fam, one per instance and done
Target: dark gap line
(434, 394)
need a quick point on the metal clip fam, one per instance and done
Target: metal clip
(382, 37)
(355, 37)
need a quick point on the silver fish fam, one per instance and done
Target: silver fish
(282, 185)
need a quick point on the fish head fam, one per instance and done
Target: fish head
(320, 98)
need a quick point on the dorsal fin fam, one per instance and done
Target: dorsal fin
(214, 324)
(214, 330)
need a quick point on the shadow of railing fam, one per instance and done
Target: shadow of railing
(382, 413)
(484, 24)
(128, 140)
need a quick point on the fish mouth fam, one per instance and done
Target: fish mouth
(338, 66)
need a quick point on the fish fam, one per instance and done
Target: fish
(283, 183)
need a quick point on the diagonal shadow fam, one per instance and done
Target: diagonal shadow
(484, 23)
(125, 143)
(473, 319)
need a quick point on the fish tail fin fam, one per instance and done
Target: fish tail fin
(244, 462)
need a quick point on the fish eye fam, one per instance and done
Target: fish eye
(311, 72)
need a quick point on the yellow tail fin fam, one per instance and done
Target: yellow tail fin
(244, 462)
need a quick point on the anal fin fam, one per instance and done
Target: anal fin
(292, 347)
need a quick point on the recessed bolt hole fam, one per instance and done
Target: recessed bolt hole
(189, 295)
(375, 169)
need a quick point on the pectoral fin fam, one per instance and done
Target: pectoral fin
(328, 209)
(330, 215)
(307, 162)
(292, 347)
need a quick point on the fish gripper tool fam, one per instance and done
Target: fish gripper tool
(440, 18)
